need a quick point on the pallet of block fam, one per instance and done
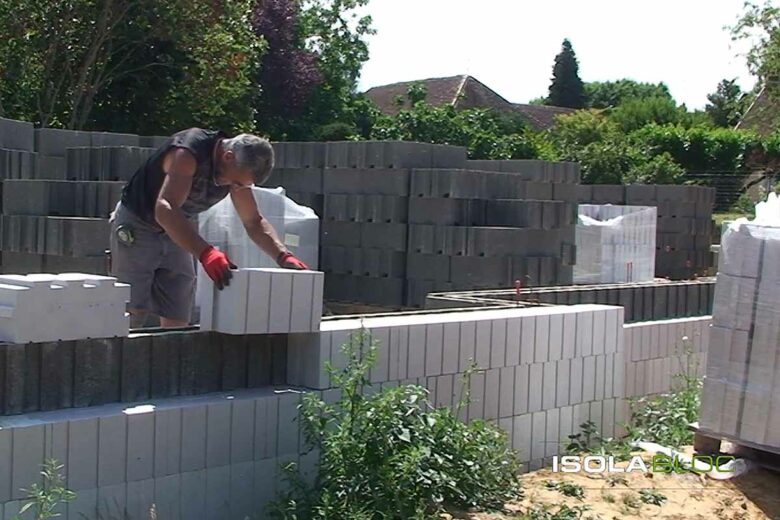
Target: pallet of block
(706, 442)
(741, 397)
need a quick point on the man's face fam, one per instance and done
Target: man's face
(230, 174)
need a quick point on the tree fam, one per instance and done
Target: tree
(335, 32)
(484, 133)
(288, 73)
(760, 25)
(609, 94)
(125, 64)
(635, 113)
(727, 104)
(567, 89)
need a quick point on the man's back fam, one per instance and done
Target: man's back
(140, 193)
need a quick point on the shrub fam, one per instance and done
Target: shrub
(661, 169)
(665, 418)
(391, 455)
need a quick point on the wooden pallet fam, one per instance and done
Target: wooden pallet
(706, 442)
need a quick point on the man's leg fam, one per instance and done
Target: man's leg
(134, 263)
(173, 289)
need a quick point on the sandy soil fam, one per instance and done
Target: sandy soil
(753, 496)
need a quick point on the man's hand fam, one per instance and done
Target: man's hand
(217, 265)
(287, 260)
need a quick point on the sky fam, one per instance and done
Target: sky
(510, 45)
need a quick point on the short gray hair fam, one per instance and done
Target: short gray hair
(254, 153)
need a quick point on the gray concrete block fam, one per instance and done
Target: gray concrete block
(367, 182)
(514, 213)
(113, 139)
(218, 434)
(299, 154)
(57, 363)
(346, 234)
(608, 194)
(16, 135)
(50, 167)
(17, 164)
(99, 368)
(480, 271)
(496, 241)
(54, 142)
(140, 446)
(640, 194)
(193, 487)
(112, 450)
(381, 291)
(193, 438)
(167, 442)
(25, 197)
(539, 190)
(450, 183)
(565, 192)
(392, 237)
(428, 267)
(218, 492)
(447, 156)
(152, 141)
(446, 212)
(400, 154)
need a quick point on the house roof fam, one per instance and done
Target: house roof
(541, 117)
(763, 115)
(462, 91)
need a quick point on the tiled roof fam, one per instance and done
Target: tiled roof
(440, 92)
(763, 116)
(462, 92)
(541, 117)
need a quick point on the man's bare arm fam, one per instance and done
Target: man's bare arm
(179, 166)
(259, 229)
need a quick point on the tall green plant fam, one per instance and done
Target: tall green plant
(43, 499)
(390, 454)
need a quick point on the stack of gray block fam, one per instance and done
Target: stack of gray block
(403, 219)
(59, 189)
(685, 226)
(472, 229)
(17, 155)
(105, 163)
(740, 398)
(368, 218)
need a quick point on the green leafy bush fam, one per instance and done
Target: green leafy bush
(660, 169)
(391, 455)
(633, 114)
(665, 418)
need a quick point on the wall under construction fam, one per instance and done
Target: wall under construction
(217, 455)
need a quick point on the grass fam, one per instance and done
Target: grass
(568, 489)
(720, 217)
(652, 497)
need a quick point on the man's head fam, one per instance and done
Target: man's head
(244, 160)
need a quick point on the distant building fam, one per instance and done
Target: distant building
(763, 115)
(462, 92)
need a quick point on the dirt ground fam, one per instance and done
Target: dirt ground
(753, 496)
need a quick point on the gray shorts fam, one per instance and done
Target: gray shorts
(160, 273)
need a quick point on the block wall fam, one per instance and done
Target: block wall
(545, 372)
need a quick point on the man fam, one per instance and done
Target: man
(153, 229)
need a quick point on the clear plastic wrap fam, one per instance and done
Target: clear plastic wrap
(297, 226)
(741, 396)
(615, 244)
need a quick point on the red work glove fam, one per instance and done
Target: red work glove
(288, 260)
(217, 265)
